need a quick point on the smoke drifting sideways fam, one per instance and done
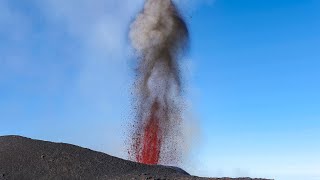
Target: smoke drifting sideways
(159, 36)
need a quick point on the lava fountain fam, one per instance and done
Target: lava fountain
(159, 36)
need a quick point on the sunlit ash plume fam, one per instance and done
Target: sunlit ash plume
(159, 36)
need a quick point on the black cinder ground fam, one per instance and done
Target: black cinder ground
(23, 158)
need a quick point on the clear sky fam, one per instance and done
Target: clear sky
(252, 80)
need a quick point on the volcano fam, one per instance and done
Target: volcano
(25, 158)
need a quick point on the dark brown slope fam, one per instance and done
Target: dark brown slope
(24, 158)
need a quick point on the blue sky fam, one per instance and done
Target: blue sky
(252, 80)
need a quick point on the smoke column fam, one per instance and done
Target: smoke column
(159, 36)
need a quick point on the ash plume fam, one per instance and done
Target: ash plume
(159, 36)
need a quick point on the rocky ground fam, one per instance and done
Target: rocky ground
(23, 158)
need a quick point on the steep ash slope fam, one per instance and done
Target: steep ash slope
(24, 158)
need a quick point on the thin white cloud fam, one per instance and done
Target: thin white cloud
(98, 93)
(99, 24)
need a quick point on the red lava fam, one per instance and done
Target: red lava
(151, 142)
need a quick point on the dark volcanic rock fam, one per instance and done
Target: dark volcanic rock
(24, 158)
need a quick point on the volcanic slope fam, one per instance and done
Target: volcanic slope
(23, 158)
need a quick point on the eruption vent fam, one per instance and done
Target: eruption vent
(159, 35)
